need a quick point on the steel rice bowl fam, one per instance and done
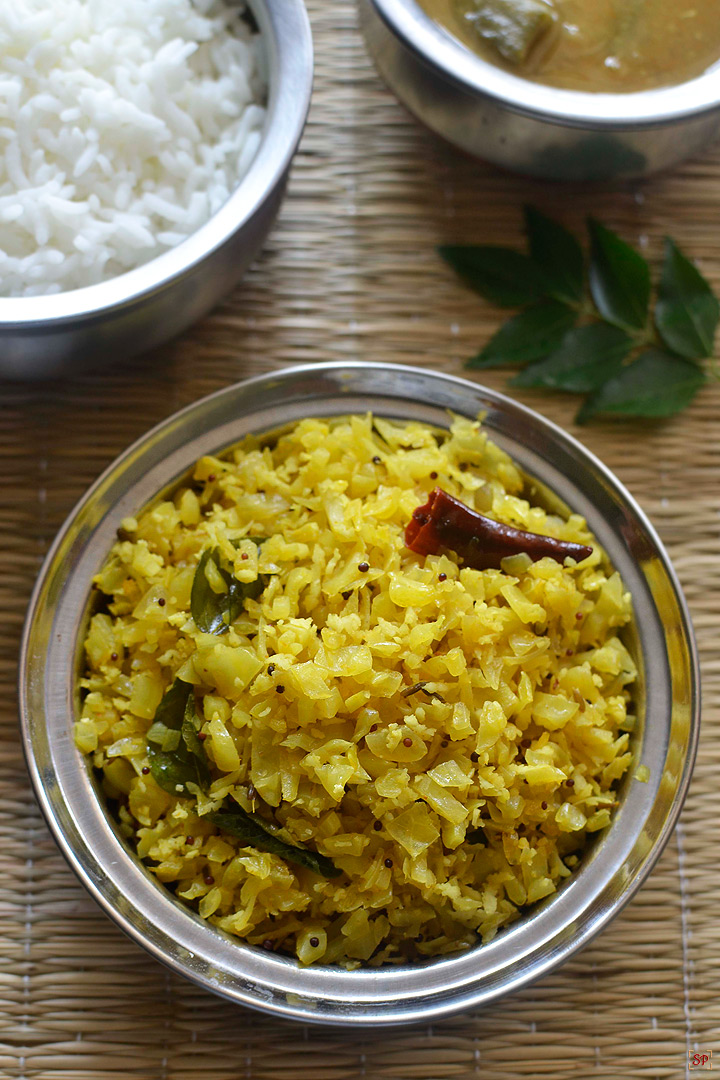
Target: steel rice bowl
(615, 864)
(48, 336)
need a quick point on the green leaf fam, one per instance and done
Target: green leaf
(504, 276)
(619, 279)
(587, 357)
(557, 254)
(187, 762)
(656, 384)
(171, 710)
(214, 612)
(189, 732)
(532, 334)
(686, 313)
(260, 834)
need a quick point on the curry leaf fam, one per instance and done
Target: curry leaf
(174, 769)
(657, 384)
(502, 275)
(529, 336)
(189, 732)
(213, 611)
(587, 357)
(258, 833)
(171, 709)
(686, 312)
(619, 279)
(558, 256)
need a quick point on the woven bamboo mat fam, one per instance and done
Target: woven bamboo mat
(350, 271)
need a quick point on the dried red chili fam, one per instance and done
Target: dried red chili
(445, 522)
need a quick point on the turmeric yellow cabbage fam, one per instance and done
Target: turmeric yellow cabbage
(410, 751)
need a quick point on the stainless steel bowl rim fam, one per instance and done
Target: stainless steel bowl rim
(600, 111)
(285, 30)
(188, 945)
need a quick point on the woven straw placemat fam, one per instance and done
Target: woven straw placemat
(350, 271)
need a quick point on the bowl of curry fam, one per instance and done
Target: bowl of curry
(561, 89)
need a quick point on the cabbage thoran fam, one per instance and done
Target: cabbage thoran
(333, 747)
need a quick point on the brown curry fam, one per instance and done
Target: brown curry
(597, 45)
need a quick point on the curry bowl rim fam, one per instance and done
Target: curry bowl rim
(639, 109)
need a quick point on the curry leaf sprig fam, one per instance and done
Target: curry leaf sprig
(177, 759)
(588, 326)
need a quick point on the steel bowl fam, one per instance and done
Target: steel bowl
(525, 126)
(610, 872)
(51, 335)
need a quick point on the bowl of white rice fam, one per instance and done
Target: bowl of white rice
(144, 149)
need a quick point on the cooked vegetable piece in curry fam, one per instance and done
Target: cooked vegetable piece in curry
(594, 45)
(515, 28)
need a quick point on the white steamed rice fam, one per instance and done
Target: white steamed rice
(124, 125)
